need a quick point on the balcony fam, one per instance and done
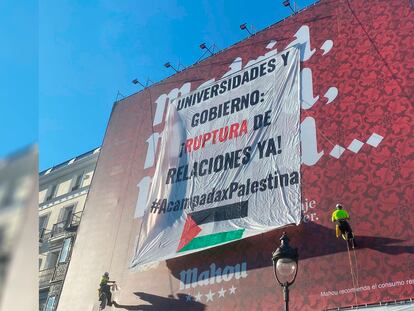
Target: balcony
(76, 218)
(67, 226)
(45, 276)
(50, 276)
(60, 272)
(61, 229)
(58, 229)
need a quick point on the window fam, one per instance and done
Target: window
(43, 220)
(64, 253)
(65, 215)
(42, 299)
(50, 305)
(51, 259)
(51, 192)
(64, 220)
(78, 182)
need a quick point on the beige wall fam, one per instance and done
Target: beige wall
(87, 178)
(64, 184)
(63, 187)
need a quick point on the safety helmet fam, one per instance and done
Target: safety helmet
(106, 274)
(338, 206)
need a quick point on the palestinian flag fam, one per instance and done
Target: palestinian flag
(192, 237)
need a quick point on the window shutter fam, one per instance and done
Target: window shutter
(78, 182)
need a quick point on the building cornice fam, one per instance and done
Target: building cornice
(64, 198)
(66, 167)
(61, 171)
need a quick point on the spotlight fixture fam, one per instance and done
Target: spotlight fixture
(286, 3)
(136, 81)
(168, 65)
(244, 27)
(203, 46)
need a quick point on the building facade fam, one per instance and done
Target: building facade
(356, 132)
(62, 194)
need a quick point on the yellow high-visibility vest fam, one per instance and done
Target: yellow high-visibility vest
(104, 280)
(339, 214)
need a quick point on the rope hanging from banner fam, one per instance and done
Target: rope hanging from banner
(352, 272)
(356, 266)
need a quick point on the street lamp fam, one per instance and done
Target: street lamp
(285, 265)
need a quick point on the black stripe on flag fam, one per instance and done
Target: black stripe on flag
(220, 213)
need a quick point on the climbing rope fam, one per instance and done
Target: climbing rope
(352, 273)
(356, 266)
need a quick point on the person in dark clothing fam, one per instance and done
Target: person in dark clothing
(105, 287)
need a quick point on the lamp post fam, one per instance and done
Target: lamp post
(285, 265)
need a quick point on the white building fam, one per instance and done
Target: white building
(62, 194)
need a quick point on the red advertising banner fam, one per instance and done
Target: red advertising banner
(357, 92)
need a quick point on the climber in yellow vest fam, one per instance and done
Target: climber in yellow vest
(104, 287)
(341, 217)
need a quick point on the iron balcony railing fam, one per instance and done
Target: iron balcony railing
(61, 227)
(76, 218)
(52, 275)
(64, 226)
(60, 272)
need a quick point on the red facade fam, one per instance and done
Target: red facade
(357, 118)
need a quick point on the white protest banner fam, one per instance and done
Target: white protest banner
(229, 162)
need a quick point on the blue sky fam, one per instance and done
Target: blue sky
(88, 50)
(18, 75)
